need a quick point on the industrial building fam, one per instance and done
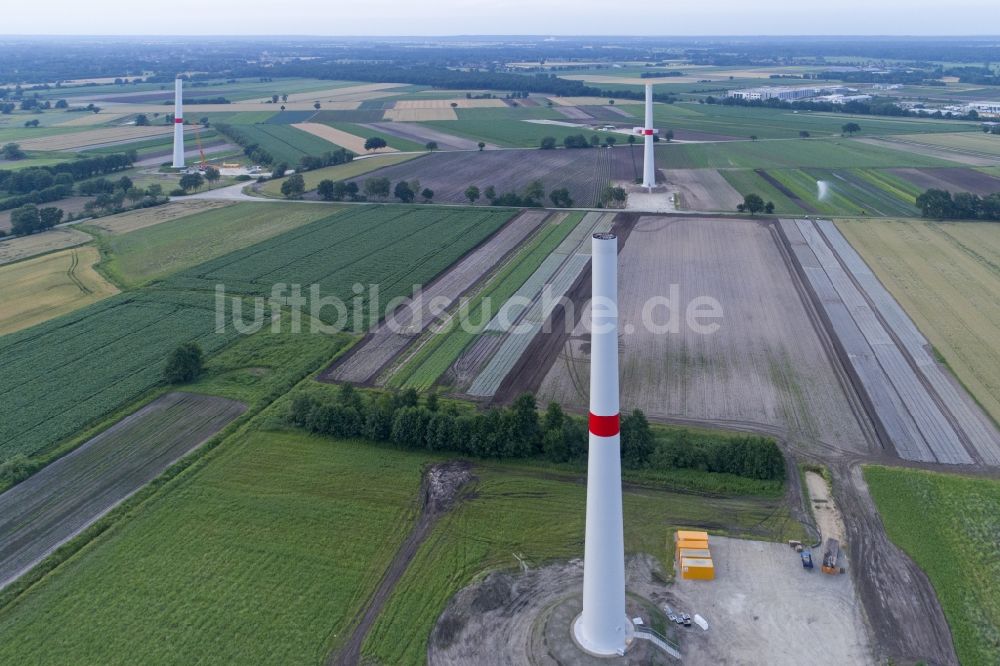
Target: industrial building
(785, 93)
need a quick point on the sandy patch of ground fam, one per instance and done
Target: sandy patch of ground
(657, 201)
(39, 289)
(764, 608)
(24, 247)
(424, 134)
(416, 115)
(124, 223)
(91, 138)
(338, 137)
(461, 103)
(828, 518)
(84, 119)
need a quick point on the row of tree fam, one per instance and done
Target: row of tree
(30, 219)
(519, 431)
(943, 205)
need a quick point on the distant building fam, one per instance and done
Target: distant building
(785, 93)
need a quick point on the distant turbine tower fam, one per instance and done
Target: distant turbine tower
(649, 160)
(178, 123)
(603, 628)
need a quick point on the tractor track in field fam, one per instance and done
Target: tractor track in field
(440, 490)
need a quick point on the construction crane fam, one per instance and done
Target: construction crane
(203, 164)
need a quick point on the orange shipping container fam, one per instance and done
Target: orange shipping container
(697, 569)
(695, 553)
(700, 545)
(691, 535)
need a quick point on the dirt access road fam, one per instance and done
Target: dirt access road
(442, 484)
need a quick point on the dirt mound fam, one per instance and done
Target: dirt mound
(442, 483)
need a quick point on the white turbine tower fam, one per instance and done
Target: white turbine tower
(603, 628)
(647, 132)
(178, 124)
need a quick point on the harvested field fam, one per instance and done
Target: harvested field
(59, 502)
(92, 138)
(702, 189)
(945, 277)
(424, 134)
(416, 115)
(953, 180)
(367, 359)
(124, 223)
(15, 249)
(764, 368)
(920, 409)
(583, 172)
(339, 137)
(39, 289)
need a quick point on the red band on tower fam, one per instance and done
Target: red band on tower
(178, 120)
(649, 131)
(604, 426)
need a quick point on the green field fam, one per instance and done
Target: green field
(844, 191)
(284, 142)
(265, 552)
(443, 348)
(69, 372)
(819, 153)
(394, 247)
(950, 525)
(349, 171)
(740, 121)
(262, 556)
(155, 252)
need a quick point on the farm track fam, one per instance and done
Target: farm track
(440, 489)
(60, 501)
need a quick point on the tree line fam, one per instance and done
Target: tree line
(519, 432)
(943, 205)
(40, 185)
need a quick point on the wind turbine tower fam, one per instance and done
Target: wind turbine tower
(603, 628)
(648, 132)
(178, 123)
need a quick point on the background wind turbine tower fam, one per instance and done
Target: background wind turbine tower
(648, 131)
(178, 123)
(603, 628)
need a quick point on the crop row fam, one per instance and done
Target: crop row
(67, 373)
(394, 247)
(437, 355)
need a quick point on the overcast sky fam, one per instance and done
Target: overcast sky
(469, 17)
